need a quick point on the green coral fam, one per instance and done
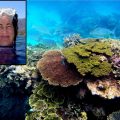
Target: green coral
(99, 47)
(32, 116)
(86, 58)
(52, 117)
(103, 69)
(44, 103)
(45, 115)
(84, 115)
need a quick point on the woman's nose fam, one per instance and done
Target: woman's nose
(4, 31)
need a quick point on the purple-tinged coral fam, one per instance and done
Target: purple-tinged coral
(116, 66)
(115, 59)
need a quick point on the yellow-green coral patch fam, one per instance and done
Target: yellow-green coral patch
(87, 59)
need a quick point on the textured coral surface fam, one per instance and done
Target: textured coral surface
(87, 58)
(106, 88)
(54, 69)
(80, 82)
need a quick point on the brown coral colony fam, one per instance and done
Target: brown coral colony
(54, 69)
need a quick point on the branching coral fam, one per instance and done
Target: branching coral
(54, 69)
(87, 58)
(72, 39)
(72, 111)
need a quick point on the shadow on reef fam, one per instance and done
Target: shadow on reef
(12, 108)
(68, 104)
(15, 90)
(98, 108)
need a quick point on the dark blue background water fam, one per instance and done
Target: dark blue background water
(21, 49)
(50, 21)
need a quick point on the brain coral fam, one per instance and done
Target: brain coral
(54, 69)
(87, 58)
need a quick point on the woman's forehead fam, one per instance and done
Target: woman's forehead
(5, 19)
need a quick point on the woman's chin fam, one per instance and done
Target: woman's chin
(6, 45)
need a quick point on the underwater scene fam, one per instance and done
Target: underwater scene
(73, 63)
(74, 46)
(56, 20)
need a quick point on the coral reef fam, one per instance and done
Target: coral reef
(96, 60)
(44, 103)
(34, 53)
(79, 82)
(107, 88)
(114, 116)
(71, 40)
(14, 86)
(17, 75)
(115, 45)
(58, 72)
(72, 112)
(87, 58)
(54, 103)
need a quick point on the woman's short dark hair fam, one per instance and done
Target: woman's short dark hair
(15, 25)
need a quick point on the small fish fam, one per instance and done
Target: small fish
(102, 33)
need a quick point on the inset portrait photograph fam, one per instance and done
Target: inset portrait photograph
(12, 32)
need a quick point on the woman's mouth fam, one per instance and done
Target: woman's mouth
(4, 37)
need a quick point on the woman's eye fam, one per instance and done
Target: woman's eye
(9, 26)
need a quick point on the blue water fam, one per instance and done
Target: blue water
(49, 21)
(21, 49)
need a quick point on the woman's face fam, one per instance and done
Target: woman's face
(6, 31)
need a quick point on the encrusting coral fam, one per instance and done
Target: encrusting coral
(54, 68)
(107, 88)
(115, 45)
(87, 58)
(114, 116)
